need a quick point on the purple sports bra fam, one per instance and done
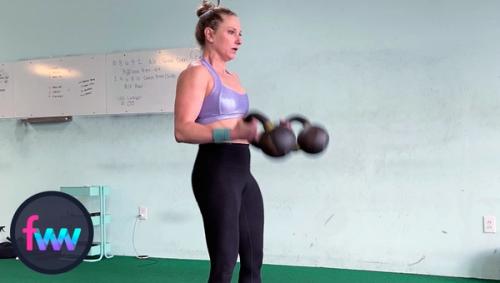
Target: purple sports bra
(222, 102)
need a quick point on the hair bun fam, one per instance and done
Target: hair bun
(205, 7)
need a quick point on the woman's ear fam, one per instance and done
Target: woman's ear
(209, 34)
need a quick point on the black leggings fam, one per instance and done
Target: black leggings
(233, 213)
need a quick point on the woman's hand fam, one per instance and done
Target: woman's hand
(285, 123)
(245, 130)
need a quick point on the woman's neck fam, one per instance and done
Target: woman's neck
(217, 63)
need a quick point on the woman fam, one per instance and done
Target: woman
(209, 106)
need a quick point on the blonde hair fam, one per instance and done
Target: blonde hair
(209, 16)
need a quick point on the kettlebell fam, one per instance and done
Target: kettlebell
(312, 139)
(275, 141)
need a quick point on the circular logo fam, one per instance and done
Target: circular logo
(52, 232)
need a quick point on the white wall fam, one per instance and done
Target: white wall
(408, 89)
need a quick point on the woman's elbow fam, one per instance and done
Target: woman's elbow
(179, 137)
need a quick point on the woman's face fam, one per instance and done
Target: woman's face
(227, 38)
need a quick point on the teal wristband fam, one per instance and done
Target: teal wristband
(221, 135)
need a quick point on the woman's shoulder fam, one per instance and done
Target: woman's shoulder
(197, 65)
(195, 69)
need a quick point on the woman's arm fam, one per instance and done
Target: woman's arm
(191, 87)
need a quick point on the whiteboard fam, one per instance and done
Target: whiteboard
(61, 86)
(145, 81)
(6, 90)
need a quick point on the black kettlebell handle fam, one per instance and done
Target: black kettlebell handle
(299, 118)
(263, 120)
(268, 125)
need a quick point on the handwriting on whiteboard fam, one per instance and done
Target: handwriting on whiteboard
(145, 81)
(4, 81)
(135, 73)
(87, 87)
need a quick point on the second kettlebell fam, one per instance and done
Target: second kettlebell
(275, 141)
(312, 138)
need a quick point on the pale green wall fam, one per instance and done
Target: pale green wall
(408, 89)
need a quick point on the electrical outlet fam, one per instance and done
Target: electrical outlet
(143, 213)
(489, 224)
